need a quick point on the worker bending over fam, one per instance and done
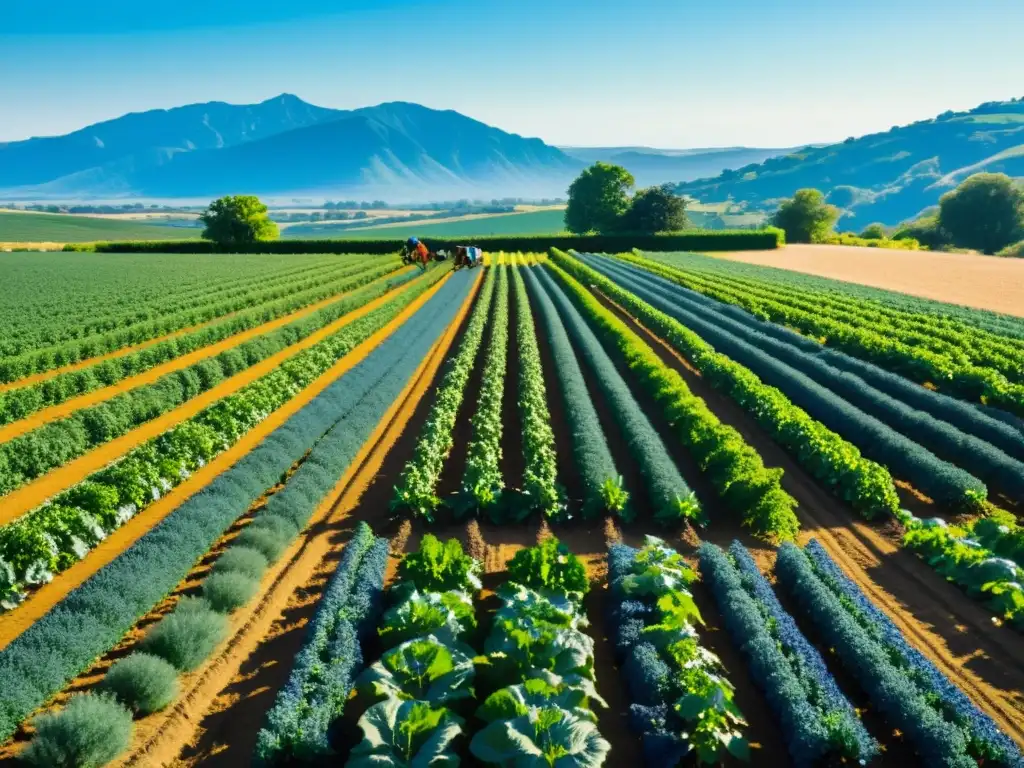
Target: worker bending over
(415, 252)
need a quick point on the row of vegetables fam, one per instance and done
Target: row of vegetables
(88, 622)
(29, 456)
(57, 342)
(978, 564)
(23, 401)
(974, 365)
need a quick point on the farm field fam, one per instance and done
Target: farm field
(22, 227)
(571, 509)
(982, 282)
(543, 222)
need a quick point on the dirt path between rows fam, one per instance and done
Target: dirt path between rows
(18, 620)
(982, 282)
(46, 415)
(89, 362)
(33, 494)
(955, 632)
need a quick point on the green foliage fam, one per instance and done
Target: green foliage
(571, 693)
(229, 590)
(598, 199)
(89, 732)
(541, 739)
(406, 734)
(806, 217)
(186, 636)
(655, 209)
(238, 221)
(448, 616)
(437, 567)
(423, 669)
(142, 682)
(550, 566)
(985, 212)
(1015, 251)
(874, 231)
(925, 230)
(267, 542)
(245, 560)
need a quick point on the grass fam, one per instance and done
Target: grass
(16, 227)
(548, 222)
(1003, 119)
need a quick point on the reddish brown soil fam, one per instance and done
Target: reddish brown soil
(984, 282)
(955, 632)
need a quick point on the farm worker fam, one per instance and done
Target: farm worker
(415, 251)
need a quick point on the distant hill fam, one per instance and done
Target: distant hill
(887, 177)
(286, 146)
(25, 227)
(659, 166)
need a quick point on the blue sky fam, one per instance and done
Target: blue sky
(671, 73)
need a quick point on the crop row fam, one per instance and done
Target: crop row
(602, 484)
(818, 722)
(18, 403)
(947, 484)
(89, 296)
(32, 455)
(671, 496)
(314, 696)
(995, 379)
(887, 338)
(482, 481)
(854, 381)
(416, 489)
(683, 703)
(540, 473)
(733, 468)
(41, 660)
(834, 461)
(45, 359)
(934, 715)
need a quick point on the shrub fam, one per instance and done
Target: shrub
(227, 592)
(874, 231)
(438, 567)
(1015, 251)
(142, 682)
(240, 559)
(90, 731)
(549, 565)
(188, 635)
(266, 541)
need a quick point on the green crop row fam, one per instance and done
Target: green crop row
(733, 467)
(866, 485)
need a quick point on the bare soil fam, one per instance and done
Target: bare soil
(982, 282)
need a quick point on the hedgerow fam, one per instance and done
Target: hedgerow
(18, 403)
(602, 482)
(417, 486)
(94, 617)
(540, 473)
(941, 723)
(319, 684)
(866, 485)
(982, 459)
(946, 484)
(733, 468)
(672, 497)
(482, 481)
(58, 534)
(818, 722)
(683, 700)
(31, 455)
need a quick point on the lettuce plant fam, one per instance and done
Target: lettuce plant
(406, 734)
(541, 738)
(421, 670)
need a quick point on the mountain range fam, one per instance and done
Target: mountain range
(886, 177)
(285, 146)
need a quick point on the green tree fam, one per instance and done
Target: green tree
(238, 220)
(598, 199)
(655, 209)
(806, 217)
(985, 212)
(874, 231)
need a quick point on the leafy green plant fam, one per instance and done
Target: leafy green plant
(421, 670)
(437, 567)
(227, 591)
(187, 635)
(550, 566)
(89, 732)
(541, 738)
(406, 734)
(142, 682)
(545, 690)
(448, 616)
(521, 604)
(239, 559)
